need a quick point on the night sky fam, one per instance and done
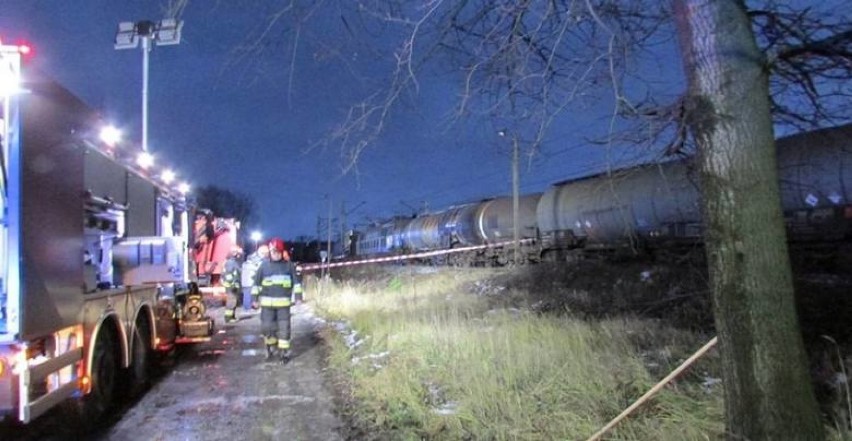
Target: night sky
(253, 120)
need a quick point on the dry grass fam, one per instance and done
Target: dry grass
(427, 356)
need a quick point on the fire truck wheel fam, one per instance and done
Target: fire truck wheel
(104, 378)
(140, 368)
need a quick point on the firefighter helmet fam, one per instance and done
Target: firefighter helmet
(236, 251)
(277, 244)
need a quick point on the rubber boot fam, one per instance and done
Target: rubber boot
(285, 356)
(270, 352)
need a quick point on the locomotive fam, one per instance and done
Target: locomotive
(649, 206)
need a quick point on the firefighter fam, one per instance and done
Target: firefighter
(231, 282)
(250, 267)
(273, 288)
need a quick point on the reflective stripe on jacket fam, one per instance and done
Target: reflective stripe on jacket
(283, 280)
(275, 280)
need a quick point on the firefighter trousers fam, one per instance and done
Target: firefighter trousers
(232, 300)
(275, 326)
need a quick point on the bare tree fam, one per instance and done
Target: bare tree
(810, 60)
(520, 63)
(527, 62)
(230, 204)
(727, 110)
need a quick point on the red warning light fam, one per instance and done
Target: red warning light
(25, 49)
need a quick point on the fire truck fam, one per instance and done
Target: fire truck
(96, 277)
(214, 239)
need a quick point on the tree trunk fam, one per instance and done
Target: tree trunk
(768, 390)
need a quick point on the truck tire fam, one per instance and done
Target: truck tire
(105, 377)
(140, 366)
(83, 415)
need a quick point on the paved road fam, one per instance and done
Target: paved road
(223, 390)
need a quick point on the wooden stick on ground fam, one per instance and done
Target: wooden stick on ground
(651, 392)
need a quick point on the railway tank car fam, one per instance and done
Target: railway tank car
(660, 204)
(815, 176)
(438, 230)
(493, 222)
(619, 208)
(646, 206)
(494, 219)
(479, 223)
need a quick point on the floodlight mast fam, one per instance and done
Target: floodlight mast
(166, 32)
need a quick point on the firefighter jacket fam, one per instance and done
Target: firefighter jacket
(231, 274)
(274, 283)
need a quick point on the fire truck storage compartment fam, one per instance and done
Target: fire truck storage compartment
(142, 260)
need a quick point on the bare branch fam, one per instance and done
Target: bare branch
(525, 63)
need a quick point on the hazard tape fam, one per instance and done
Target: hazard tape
(316, 266)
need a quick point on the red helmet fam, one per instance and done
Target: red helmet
(277, 244)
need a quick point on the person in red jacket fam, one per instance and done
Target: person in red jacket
(273, 290)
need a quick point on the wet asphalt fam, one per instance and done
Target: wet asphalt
(225, 390)
(219, 390)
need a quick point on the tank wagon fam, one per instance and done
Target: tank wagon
(623, 208)
(659, 205)
(642, 207)
(485, 222)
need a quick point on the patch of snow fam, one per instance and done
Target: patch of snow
(448, 408)
(709, 382)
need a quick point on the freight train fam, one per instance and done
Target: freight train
(645, 207)
(95, 274)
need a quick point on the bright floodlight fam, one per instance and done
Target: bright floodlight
(145, 160)
(168, 176)
(110, 135)
(256, 236)
(183, 188)
(168, 32)
(126, 37)
(164, 33)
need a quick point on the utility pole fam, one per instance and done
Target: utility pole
(319, 233)
(515, 197)
(343, 227)
(515, 201)
(328, 249)
(345, 239)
